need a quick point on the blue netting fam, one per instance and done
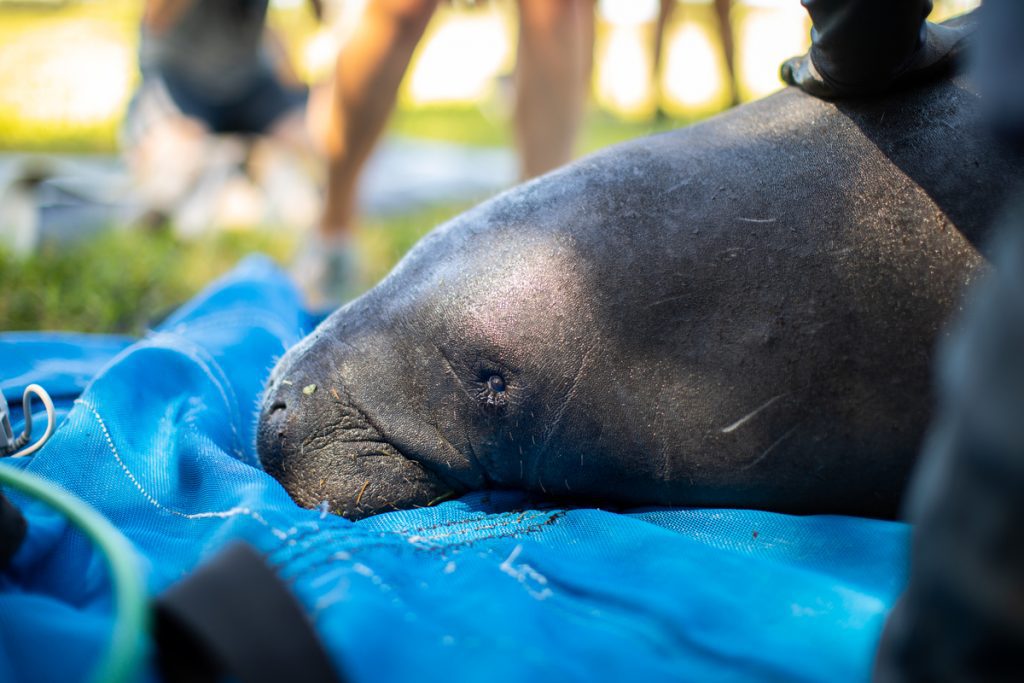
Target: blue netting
(494, 585)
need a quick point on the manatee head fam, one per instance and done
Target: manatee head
(453, 374)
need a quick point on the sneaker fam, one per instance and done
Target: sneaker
(327, 272)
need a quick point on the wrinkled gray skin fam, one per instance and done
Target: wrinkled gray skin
(739, 313)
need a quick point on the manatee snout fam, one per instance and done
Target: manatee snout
(321, 446)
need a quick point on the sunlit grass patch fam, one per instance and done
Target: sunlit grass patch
(120, 280)
(479, 127)
(125, 280)
(66, 75)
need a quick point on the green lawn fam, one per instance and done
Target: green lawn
(126, 280)
(470, 126)
(121, 281)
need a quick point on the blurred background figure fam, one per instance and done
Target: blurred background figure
(723, 9)
(552, 81)
(218, 110)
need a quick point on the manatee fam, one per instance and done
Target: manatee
(738, 313)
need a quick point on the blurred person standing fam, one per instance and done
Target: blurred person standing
(216, 63)
(723, 17)
(552, 84)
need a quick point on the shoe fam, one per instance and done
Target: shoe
(326, 271)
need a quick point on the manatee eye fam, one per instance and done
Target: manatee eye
(493, 392)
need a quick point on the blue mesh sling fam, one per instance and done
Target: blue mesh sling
(157, 435)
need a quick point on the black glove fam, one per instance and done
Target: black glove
(937, 53)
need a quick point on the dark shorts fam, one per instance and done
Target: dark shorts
(258, 107)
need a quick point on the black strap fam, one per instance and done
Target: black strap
(12, 530)
(235, 617)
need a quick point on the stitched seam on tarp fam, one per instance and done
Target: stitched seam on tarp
(437, 549)
(524, 519)
(303, 540)
(511, 533)
(454, 522)
(312, 535)
(221, 514)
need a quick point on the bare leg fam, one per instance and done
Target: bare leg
(665, 8)
(587, 20)
(552, 80)
(369, 70)
(722, 9)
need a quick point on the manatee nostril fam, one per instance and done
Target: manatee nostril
(277, 406)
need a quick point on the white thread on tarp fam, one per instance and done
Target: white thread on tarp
(216, 514)
(524, 573)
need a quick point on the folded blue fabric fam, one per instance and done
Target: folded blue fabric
(495, 585)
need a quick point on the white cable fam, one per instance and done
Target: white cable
(51, 419)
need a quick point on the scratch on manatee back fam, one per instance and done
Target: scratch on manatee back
(770, 448)
(756, 220)
(746, 418)
(667, 299)
(675, 187)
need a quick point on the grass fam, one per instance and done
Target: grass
(472, 126)
(124, 280)
(383, 241)
(26, 33)
(119, 281)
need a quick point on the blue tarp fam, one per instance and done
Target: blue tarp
(158, 435)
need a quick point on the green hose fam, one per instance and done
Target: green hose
(127, 642)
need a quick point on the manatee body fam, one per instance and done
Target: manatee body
(738, 313)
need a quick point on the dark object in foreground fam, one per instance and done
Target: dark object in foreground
(961, 618)
(234, 617)
(740, 313)
(12, 530)
(865, 47)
